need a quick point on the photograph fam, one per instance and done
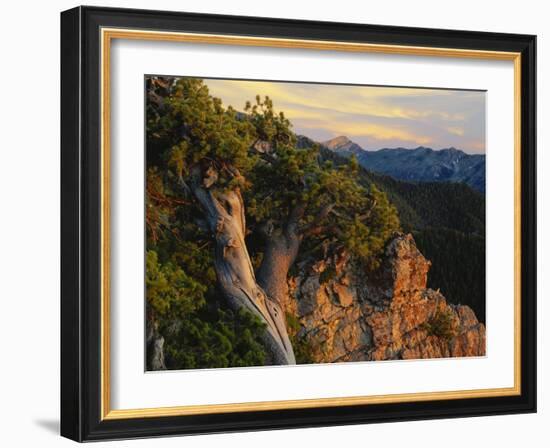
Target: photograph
(311, 223)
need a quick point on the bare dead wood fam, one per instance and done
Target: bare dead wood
(224, 214)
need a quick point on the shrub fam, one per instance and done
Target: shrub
(301, 346)
(441, 324)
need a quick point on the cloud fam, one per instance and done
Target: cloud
(374, 131)
(373, 116)
(456, 131)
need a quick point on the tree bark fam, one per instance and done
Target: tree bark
(224, 213)
(280, 253)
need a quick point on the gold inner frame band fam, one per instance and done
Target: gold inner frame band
(107, 35)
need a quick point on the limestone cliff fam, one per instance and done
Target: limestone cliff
(346, 314)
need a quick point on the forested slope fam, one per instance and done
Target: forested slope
(447, 220)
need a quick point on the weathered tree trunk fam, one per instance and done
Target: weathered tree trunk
(280, 253)
(224, 213)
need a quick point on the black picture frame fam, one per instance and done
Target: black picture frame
(81, 227)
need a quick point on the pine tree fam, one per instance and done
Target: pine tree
(233, 196)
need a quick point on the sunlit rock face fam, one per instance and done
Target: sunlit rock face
(351, 314)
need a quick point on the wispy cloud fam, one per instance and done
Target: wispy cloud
(456, 131)
(374, 117)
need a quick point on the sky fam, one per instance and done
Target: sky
(371, 116)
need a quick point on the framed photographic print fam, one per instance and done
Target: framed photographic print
(275, 224)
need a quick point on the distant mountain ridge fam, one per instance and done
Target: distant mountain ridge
(447, 220)
(418, 164)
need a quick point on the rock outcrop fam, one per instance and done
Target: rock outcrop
(155, 348)
(349, 315)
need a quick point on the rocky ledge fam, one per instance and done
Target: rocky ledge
(346, 314)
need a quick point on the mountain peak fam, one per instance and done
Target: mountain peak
(343, 144)
(337, 142)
